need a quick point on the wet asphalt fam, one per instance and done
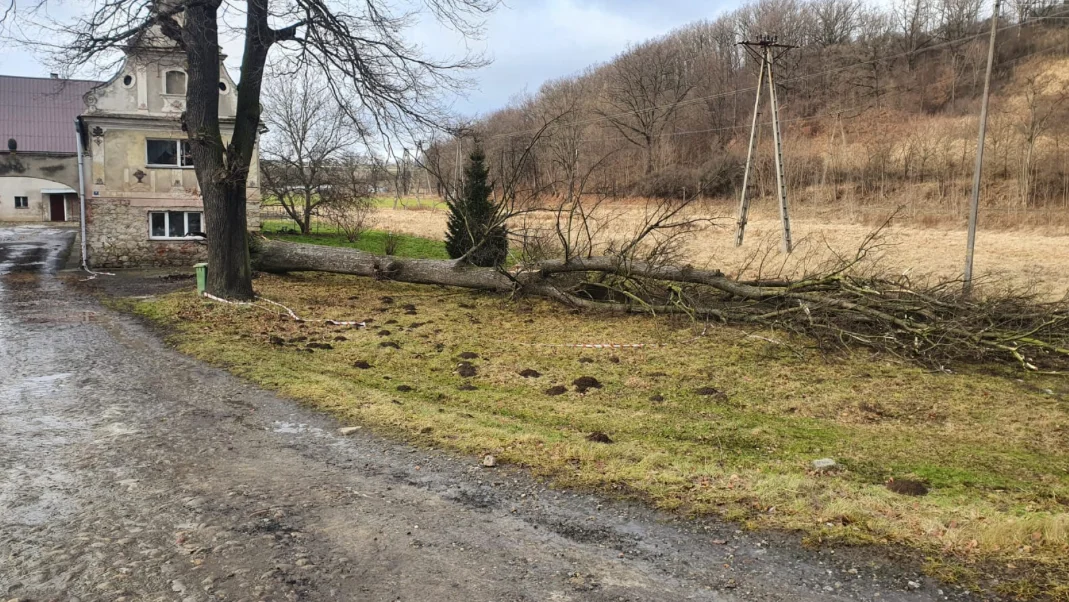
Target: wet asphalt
(131, 472)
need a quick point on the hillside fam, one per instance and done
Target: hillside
(879, 109)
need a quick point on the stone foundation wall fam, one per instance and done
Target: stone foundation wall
(118, 234)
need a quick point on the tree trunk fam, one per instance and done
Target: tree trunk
(223, 195)
(306, 225)
(281, 257)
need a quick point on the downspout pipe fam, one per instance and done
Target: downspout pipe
(81, 191)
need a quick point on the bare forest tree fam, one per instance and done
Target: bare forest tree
(836, 21)
(643, 90)
(912, 19)
(308, 136)
(373, 73)
(1045, 99)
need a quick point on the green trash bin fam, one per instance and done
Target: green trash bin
(202, 277)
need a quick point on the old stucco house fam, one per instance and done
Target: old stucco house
(143, 203)
(143, 200)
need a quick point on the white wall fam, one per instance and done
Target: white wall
(10, 187)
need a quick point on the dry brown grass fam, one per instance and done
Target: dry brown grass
(1023, 257)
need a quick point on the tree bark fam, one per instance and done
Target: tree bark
(222, 184)
(281, 257)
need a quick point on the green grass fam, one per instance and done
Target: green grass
(994, 451)
(372, 241)
(424, 202)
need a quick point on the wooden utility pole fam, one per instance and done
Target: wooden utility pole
(974, 207)
(764, 49)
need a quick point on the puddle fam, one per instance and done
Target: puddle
(118, 429)
(294, 428)
(37, 386)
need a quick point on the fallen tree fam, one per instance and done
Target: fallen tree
(568, 247)
(838, 308)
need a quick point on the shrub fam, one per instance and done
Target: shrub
(473, 230)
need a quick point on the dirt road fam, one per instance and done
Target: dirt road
(130, 472)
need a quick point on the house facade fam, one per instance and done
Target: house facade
(143, 202)
(38, 148)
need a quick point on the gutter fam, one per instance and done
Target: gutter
(81, 190)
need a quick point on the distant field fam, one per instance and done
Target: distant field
(1020, 256)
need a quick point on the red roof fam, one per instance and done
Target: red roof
(39, 112)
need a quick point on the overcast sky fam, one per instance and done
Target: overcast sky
(529, 41)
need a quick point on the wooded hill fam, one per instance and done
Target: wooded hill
(879, 106)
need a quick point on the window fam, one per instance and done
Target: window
(175, 224)
(22, 202)
(168, 152)
(174, 82)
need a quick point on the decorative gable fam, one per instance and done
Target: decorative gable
(152, 82)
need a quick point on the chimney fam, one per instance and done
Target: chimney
(54, 75)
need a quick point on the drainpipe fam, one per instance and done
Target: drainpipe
(81, 190)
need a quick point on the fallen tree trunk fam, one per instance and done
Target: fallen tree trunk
(279, 257)
(933, 325)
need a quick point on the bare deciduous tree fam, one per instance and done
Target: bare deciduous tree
(836, 21)
(308, 136)
(643, 90)
(1044, 99)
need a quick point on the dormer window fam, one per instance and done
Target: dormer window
(174, 82)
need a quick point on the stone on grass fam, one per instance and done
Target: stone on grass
(825, 465)
(489, 461)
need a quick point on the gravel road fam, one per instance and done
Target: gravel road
(131, 472)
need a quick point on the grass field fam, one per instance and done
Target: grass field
(372, 241)
(1019, 257)
(727, 423)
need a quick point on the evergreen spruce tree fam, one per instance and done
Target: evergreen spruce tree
(471, 218)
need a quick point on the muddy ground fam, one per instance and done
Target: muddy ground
(131, 472)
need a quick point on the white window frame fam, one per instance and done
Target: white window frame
(25, 202)
(181, 145)
(167, 224)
